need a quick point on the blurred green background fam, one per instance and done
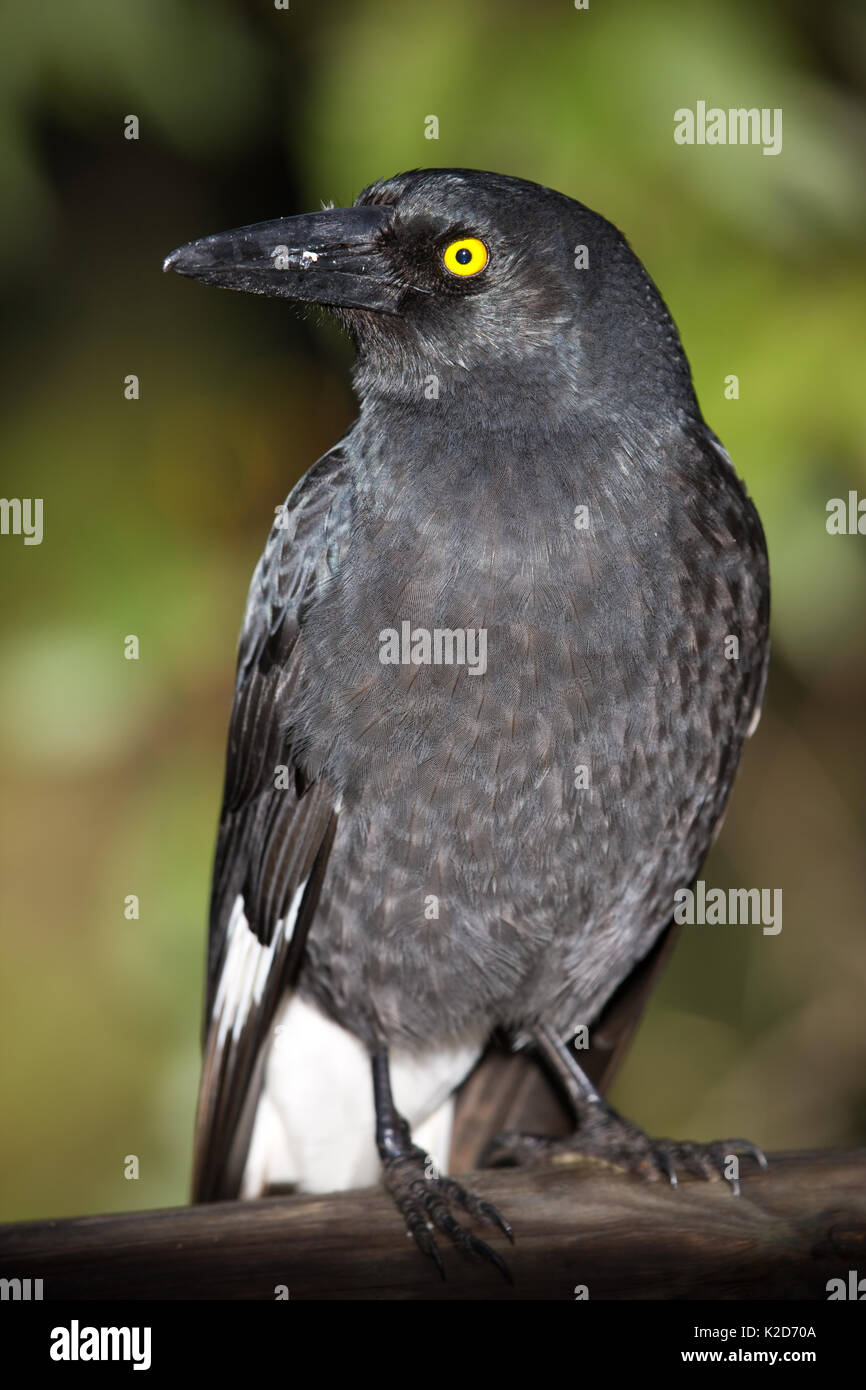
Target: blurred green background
(156, 509)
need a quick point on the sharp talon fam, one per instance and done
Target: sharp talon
(666, 1162)
(480, 1247)
(505, 1228)
(496, 1219)
(427, 1245)
(753, 1150)
(602, 1134)
(425, 1204)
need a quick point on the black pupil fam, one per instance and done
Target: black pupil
(464, 255)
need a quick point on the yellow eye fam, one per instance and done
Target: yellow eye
(465, 257)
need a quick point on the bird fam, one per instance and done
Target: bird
(499, 660)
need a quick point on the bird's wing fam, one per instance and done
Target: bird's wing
(275, 829)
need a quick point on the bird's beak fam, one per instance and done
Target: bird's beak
(330, 257)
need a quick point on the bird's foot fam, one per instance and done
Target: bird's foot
(605, 1137)
(425, 1201)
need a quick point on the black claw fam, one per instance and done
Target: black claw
(753, 1151)
(430, 1248)
(480, 1247)
(496, 1219)
(466, 1241)
(420, 1231)
(477, 1207)
(606, 1136)
(424, 1205)
(665, 1161)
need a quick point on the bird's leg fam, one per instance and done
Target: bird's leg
(423, 1197)
(606, 1137)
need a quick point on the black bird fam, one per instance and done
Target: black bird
(427, 839)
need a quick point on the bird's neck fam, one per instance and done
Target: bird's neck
(442, 456)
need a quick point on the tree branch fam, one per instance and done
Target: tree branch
(794, 1227)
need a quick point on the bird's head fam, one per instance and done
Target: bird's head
(451, 273)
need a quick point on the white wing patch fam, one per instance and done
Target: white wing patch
(246, 968)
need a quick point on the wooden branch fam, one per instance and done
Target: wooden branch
(794, 1227)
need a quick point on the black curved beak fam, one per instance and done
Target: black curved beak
(331, 257)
